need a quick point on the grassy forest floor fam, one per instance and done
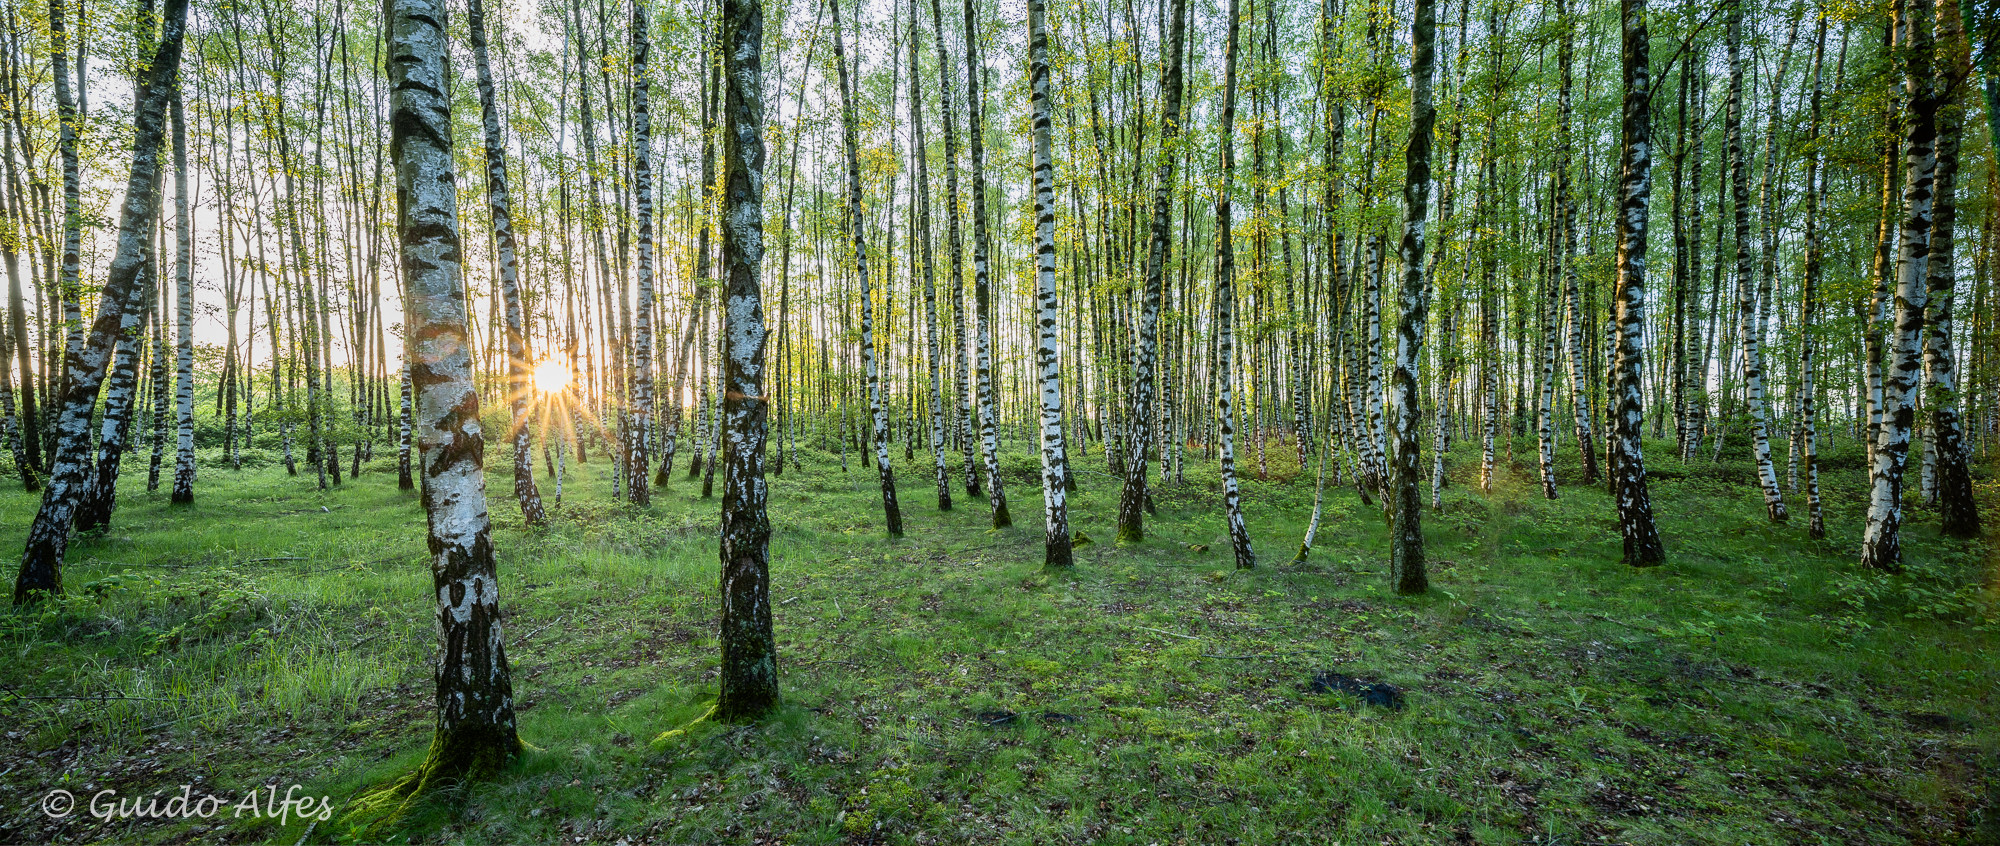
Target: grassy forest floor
(941, 688)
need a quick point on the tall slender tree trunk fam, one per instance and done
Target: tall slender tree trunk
(638, 460)
(749, 652)
(1406, 545)
(1957, 509)
(921, 188)
(1566, 260)
(183, 493)
(500, 209)
(1750, 325)
(982, 293)
(1145, 352)
(475, 698)
(1628, 465)
(1048, 353)
(892, 514)
(1809, 299)
(1881, 545)
(955, 242)
(1225, 309)
(84, 362)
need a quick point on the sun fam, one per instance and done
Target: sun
(551, 376)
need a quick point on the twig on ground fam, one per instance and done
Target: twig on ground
(531, 635)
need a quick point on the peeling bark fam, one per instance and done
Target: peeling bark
(749, 676)
(475, 704)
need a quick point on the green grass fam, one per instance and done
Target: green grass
(1758, 689)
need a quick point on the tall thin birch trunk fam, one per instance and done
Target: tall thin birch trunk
(1145, 353)
(1225, 309)
(878, 416)
(183, 492)
(1958, 511)
(1809, 298)
(749, 676)
(475, 701)
(1566, 259)
(84, 362)
(1048, 353)
(955, 242)
(499, 206)
(921, 188)
(982, 293)
(1406, 545)
(637, 462)
(1635, 506)
(1750, 324)
(1881, 545)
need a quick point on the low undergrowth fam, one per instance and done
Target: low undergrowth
(942, 688)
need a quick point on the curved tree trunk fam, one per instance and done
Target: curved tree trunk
(84, 362)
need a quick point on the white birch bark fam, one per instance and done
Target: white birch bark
(857, 234)
(1881, 546)
(184, 472)
(1048, 351)
(475, 706)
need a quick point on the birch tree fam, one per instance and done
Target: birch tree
(1958, 510)
(1881, 542)
(749, 652)
(1225, 309)
(982, 283)
(475, 696)
(921, 188)
(638, 458)
(1145, 352)
(500, 209)
(1750, 325)
(1405, 498)
(1048, 352)
(183, 493)
(1635, 191)
(878, 416)
(85, 360)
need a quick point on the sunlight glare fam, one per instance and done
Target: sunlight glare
(551, 376)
